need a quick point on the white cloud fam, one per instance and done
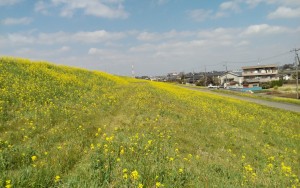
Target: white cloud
(230, 5)
(263, 29)
(99, 8)
(173, 34)
(17, 21)
(285, 12)
(145, 36)
(64, 49)
(41, 7)
(63, 37)
(111, 55)
(200, 15)
(284, 2)
(253, 3)
(42, 53)
(243, 43)
(20, 39)
(9, 2)
(225, 9)
(97, 36)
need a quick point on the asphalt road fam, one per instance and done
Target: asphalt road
(280, 105)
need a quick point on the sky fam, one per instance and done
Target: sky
(155, 37)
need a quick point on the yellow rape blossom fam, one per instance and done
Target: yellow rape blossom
(33, 158)
(135, 175)
(158, 184)
(56, 179)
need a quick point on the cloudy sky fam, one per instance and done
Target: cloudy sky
(155, 36)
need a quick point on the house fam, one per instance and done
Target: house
(173, 77)
(287, 76)
(255, 75)
(232, 78)
(192, 77)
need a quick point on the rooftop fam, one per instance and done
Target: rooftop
(260, 66)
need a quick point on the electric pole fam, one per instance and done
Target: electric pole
(193, 76)
(205, 76)
(132, 71)
(297, 62)
(226, 75)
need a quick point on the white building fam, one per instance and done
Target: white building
(232, 78)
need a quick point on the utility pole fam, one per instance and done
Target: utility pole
(297, 62)
(226, 74)
(193, 76)
(205, 76)
(132, 71)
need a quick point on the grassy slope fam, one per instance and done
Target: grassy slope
(65, 127)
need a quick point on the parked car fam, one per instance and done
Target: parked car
(212, 86)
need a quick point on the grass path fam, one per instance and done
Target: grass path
(279, 105)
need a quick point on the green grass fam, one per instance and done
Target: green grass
(67, 127)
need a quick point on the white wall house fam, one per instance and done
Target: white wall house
(231, 77)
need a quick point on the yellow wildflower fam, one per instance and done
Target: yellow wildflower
(8, 182)
(272, 158)
(33, 158)
(57, 179)
(286, 169)
(248, 168)
(158, 184)
(270, 165)
(92, 146)
(135, 175)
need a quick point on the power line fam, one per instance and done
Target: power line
(261, 59)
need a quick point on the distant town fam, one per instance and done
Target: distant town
(264, 76)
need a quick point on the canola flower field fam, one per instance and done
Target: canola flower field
(68, 127)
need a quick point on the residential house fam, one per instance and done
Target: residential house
(192, 77)
(255, 75)
(232, 78)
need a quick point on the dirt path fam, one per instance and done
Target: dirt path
(280, 105)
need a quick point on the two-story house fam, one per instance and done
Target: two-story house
(254, 75)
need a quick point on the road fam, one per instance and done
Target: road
(280, 105)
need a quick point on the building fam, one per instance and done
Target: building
(232, 78)
(254, 75)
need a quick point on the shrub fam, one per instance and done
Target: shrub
(276, 83)
(266, 85)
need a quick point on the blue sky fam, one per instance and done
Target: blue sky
(156, 36)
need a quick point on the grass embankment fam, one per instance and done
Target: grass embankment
(66, 127)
